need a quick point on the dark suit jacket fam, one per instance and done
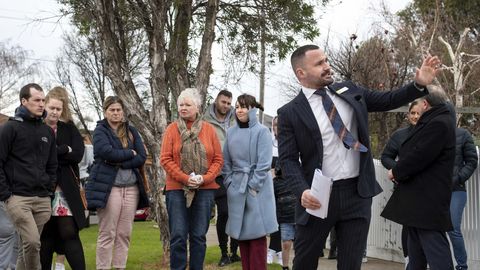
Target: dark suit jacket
(299, 137)
(424, 174)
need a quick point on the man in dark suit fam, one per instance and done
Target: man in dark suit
(309, 140)
(421, 199)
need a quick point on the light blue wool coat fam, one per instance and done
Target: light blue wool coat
(247, 157)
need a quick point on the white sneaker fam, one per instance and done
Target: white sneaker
(270, 254)
(364, 259)
(406, 262)
(59, 266)
(279, 258)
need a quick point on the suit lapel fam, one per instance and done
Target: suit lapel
(302, 107)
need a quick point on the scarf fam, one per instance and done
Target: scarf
(193, 155)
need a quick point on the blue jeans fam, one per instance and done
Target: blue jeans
(457, 204)
(8, 241)
(188, 223)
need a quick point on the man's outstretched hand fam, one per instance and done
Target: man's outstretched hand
(427, 72)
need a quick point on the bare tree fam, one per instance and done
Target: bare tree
(88, 60)
(63, 74)
(463, 66)
(14, 72)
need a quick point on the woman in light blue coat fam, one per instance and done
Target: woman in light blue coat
(251, 202)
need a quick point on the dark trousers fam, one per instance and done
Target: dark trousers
(350, 214)
(405, 241)
(275, 241)
(60, 235)
(222, 217)
(427, 246)
(254, 254)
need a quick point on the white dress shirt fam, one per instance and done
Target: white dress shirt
(338, 161)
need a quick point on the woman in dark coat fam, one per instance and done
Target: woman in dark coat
(115, 188)
(68, 216)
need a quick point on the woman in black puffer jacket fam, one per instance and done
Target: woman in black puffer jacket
(466, 161)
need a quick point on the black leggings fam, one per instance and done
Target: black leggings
(60, 235)
(275, 241)
(222, 217)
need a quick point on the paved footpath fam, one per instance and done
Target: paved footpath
(324, 264)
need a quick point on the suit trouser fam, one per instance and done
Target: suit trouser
(350, 214)
(29, 214)
(8, 241)
(222, 217)
(428, 246)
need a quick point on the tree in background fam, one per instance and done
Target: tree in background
(450, 28)
(14, 72)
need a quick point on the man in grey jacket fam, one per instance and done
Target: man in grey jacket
(221, 115)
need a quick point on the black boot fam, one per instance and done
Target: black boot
(235, 258)
(224, 260)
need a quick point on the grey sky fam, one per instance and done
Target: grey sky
(44, 39)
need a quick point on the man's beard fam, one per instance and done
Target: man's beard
(222, 113)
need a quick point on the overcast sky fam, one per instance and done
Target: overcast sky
(43, 39)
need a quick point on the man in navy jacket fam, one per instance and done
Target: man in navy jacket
(309, 141)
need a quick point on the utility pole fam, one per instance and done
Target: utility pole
(262, 59)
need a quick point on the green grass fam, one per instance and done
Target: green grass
(146, 252)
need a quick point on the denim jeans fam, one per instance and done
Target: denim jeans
(188, 223)
(8, 241)
(457, 204)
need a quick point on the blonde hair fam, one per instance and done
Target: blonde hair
(122, 132)
(61, 94)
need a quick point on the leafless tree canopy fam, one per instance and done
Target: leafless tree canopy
(14, 72)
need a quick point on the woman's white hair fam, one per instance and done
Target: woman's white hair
(190, 94)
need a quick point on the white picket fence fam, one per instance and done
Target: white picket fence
(384, 238)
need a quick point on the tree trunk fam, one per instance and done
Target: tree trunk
(204, 67)
(262, 61)
(118, 72)
(176, 62)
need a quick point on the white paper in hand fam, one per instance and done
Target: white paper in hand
(321, 188)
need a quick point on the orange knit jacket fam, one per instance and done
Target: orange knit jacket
(171, 161)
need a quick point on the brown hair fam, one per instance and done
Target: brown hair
(25, 91)
(299, 54)
(61, 94)
(225, 92)
(122, 128)
(247, 101)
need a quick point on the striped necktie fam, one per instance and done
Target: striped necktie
(347, 138)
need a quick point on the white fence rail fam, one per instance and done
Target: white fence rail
(384, 238)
